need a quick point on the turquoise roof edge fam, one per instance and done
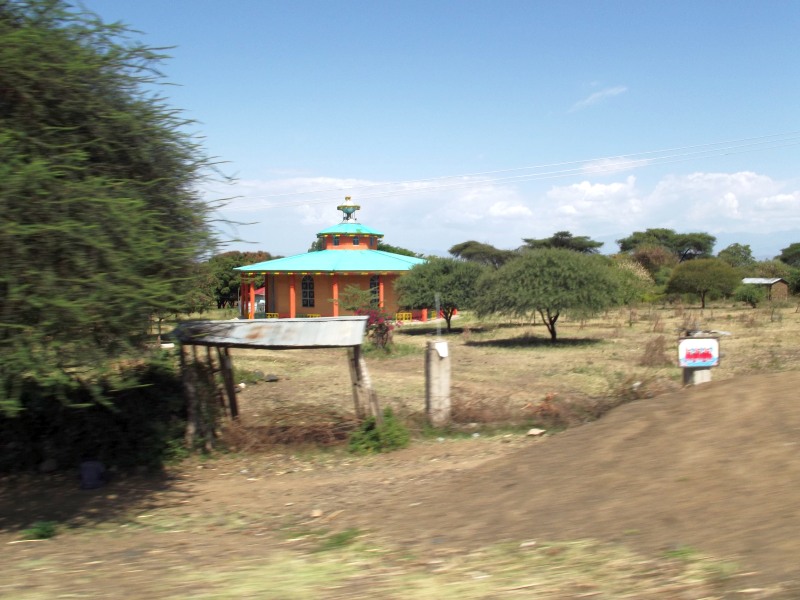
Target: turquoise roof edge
(332, 261)
(350, 229)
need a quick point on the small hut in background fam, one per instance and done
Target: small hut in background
(777, 288)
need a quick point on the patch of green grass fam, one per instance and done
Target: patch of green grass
(41, 530)
(685, 553)
(338, 540)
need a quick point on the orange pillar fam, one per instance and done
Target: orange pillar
(380, 292)
(252, 314)
(423, 315)
(292, 297)
(335, 292)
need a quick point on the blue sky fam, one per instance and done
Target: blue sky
(490, 120)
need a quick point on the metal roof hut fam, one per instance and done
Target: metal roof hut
(309, 285)
(777, 287)
(201, 375)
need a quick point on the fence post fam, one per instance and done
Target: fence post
(437, 383)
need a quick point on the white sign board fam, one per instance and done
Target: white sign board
(698, 353)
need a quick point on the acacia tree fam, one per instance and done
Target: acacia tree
(737, 255)
(564, 239)
(481, 253)
(454, 280)
(102, 222)
(549, 282)
(684, 246)
(704, 277)
(790, 255)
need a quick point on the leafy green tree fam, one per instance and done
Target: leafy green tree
(223, 283)
(102, 222)
(398, 250)
(790, 255)
(706, 277)
(737, 255)
(771, 268)
(565, 240)
(549, 282)
(454, 280)
(684, 246)
(481, 253)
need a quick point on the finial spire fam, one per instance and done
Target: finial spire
(348, 209)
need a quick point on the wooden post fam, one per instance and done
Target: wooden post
(190, 393)
(353, 357)
(437, 383)
(372, 397)
(226, 366)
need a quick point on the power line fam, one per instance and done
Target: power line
(587, 167)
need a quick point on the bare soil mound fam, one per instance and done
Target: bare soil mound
(714, 468)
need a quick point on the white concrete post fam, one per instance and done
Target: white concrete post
(437, 383)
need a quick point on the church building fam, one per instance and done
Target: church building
(308, 285)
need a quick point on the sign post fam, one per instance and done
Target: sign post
(697, 355)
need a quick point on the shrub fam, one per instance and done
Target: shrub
(371, 438)
(751, 295)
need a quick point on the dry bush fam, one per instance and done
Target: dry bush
(464, 409)
(655, 353)
(295, 425)
(750, 320)
(554, 413)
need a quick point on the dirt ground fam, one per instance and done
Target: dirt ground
(711, 469)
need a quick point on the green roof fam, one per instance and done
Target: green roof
(349, 229)
(332, 261)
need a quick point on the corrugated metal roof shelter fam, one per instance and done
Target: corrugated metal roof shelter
(275, 334)
(777, 287)
(284, 334)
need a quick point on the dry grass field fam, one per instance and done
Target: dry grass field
(676, 493)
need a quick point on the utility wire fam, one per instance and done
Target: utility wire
(587, 167)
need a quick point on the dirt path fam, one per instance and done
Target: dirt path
(715, 469)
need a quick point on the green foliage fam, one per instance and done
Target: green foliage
(398, 250)
(549, 282)
(41, 530)
(454, 280)
(484, 254)
(683, 246)
(223, 283)
(103, 224)
(771, 268)
(370, 438)
(339, 540)
(705, 277)
(790, 255)
(567, 241)
(140, 424)
(750, 294)
(737, 255)
(353, 298)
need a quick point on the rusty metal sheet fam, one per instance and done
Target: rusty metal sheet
(322, 332)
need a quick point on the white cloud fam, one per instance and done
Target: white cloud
(598, 97)
(431, 217)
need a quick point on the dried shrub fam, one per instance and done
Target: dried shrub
(655, 353)
(295, 425)
(554, 413)
(483, 410)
